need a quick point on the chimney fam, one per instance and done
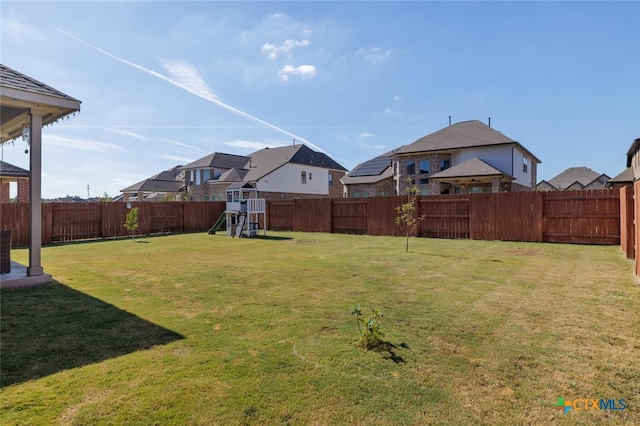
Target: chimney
(489, 121)
(449, 120)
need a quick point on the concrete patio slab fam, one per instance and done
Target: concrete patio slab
(18, 278)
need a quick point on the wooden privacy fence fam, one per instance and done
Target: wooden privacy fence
(80, 221)
(587, 217)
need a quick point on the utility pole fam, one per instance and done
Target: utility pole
(88, 191)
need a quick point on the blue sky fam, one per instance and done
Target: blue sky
(166, 83)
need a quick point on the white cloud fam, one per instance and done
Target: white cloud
(388, 111)
(181, 160)
(128, 133)
(373, 55)
(303, 71)
(397, 98)
(274, 51)
(366, 135)
(83, 144)
(187, 76)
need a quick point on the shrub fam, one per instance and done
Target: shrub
(370, 330)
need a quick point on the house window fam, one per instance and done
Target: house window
(445, 164)
(197, 177)
(330, 179)
(424, 166)
(303, 177)
(206, 175)
(424, 181)
(525, 164)
(411, 168)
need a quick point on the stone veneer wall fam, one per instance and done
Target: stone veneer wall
(400, 164)
(384, 187)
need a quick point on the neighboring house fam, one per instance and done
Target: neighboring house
(373, 178)
(624, 178)
(294, 171)
(574, 178)
(465, 157)
(629, 175)
(165, 186)
(9, 174)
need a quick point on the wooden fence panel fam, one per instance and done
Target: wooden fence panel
(312, 214)
(627, 228)
(381, 215)
(445, 216)
(12, 218)
(199, 215)
(636, 218)
(280, 215)
(75, 221)
(349, 216)
(584, 217)
(114, 216)
(508, 216)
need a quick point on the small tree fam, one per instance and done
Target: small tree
(131, 221)
(407, 212)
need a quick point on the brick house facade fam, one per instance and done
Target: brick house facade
(10, 174)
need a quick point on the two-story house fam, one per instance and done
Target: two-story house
(294, 171)
(465, 157)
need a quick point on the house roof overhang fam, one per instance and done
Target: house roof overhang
(632, 150)
(513, 144)
(16, 106)
(471, 171)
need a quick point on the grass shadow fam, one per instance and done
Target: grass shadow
(51, 328)
(388, 351)
(271, 237)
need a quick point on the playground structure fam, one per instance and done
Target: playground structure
(245, 214)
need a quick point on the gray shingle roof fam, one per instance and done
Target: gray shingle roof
(162, 182)
(11, 78)
(21, 92)
(152, 185)
(267, 160)
(625, 176)
(218, 160)
(232, 175)
(582, 175)
(465, 134)
(469, 168)
(7, 169)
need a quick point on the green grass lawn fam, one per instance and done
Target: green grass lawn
(204, 329)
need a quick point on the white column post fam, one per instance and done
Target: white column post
(35, 194)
